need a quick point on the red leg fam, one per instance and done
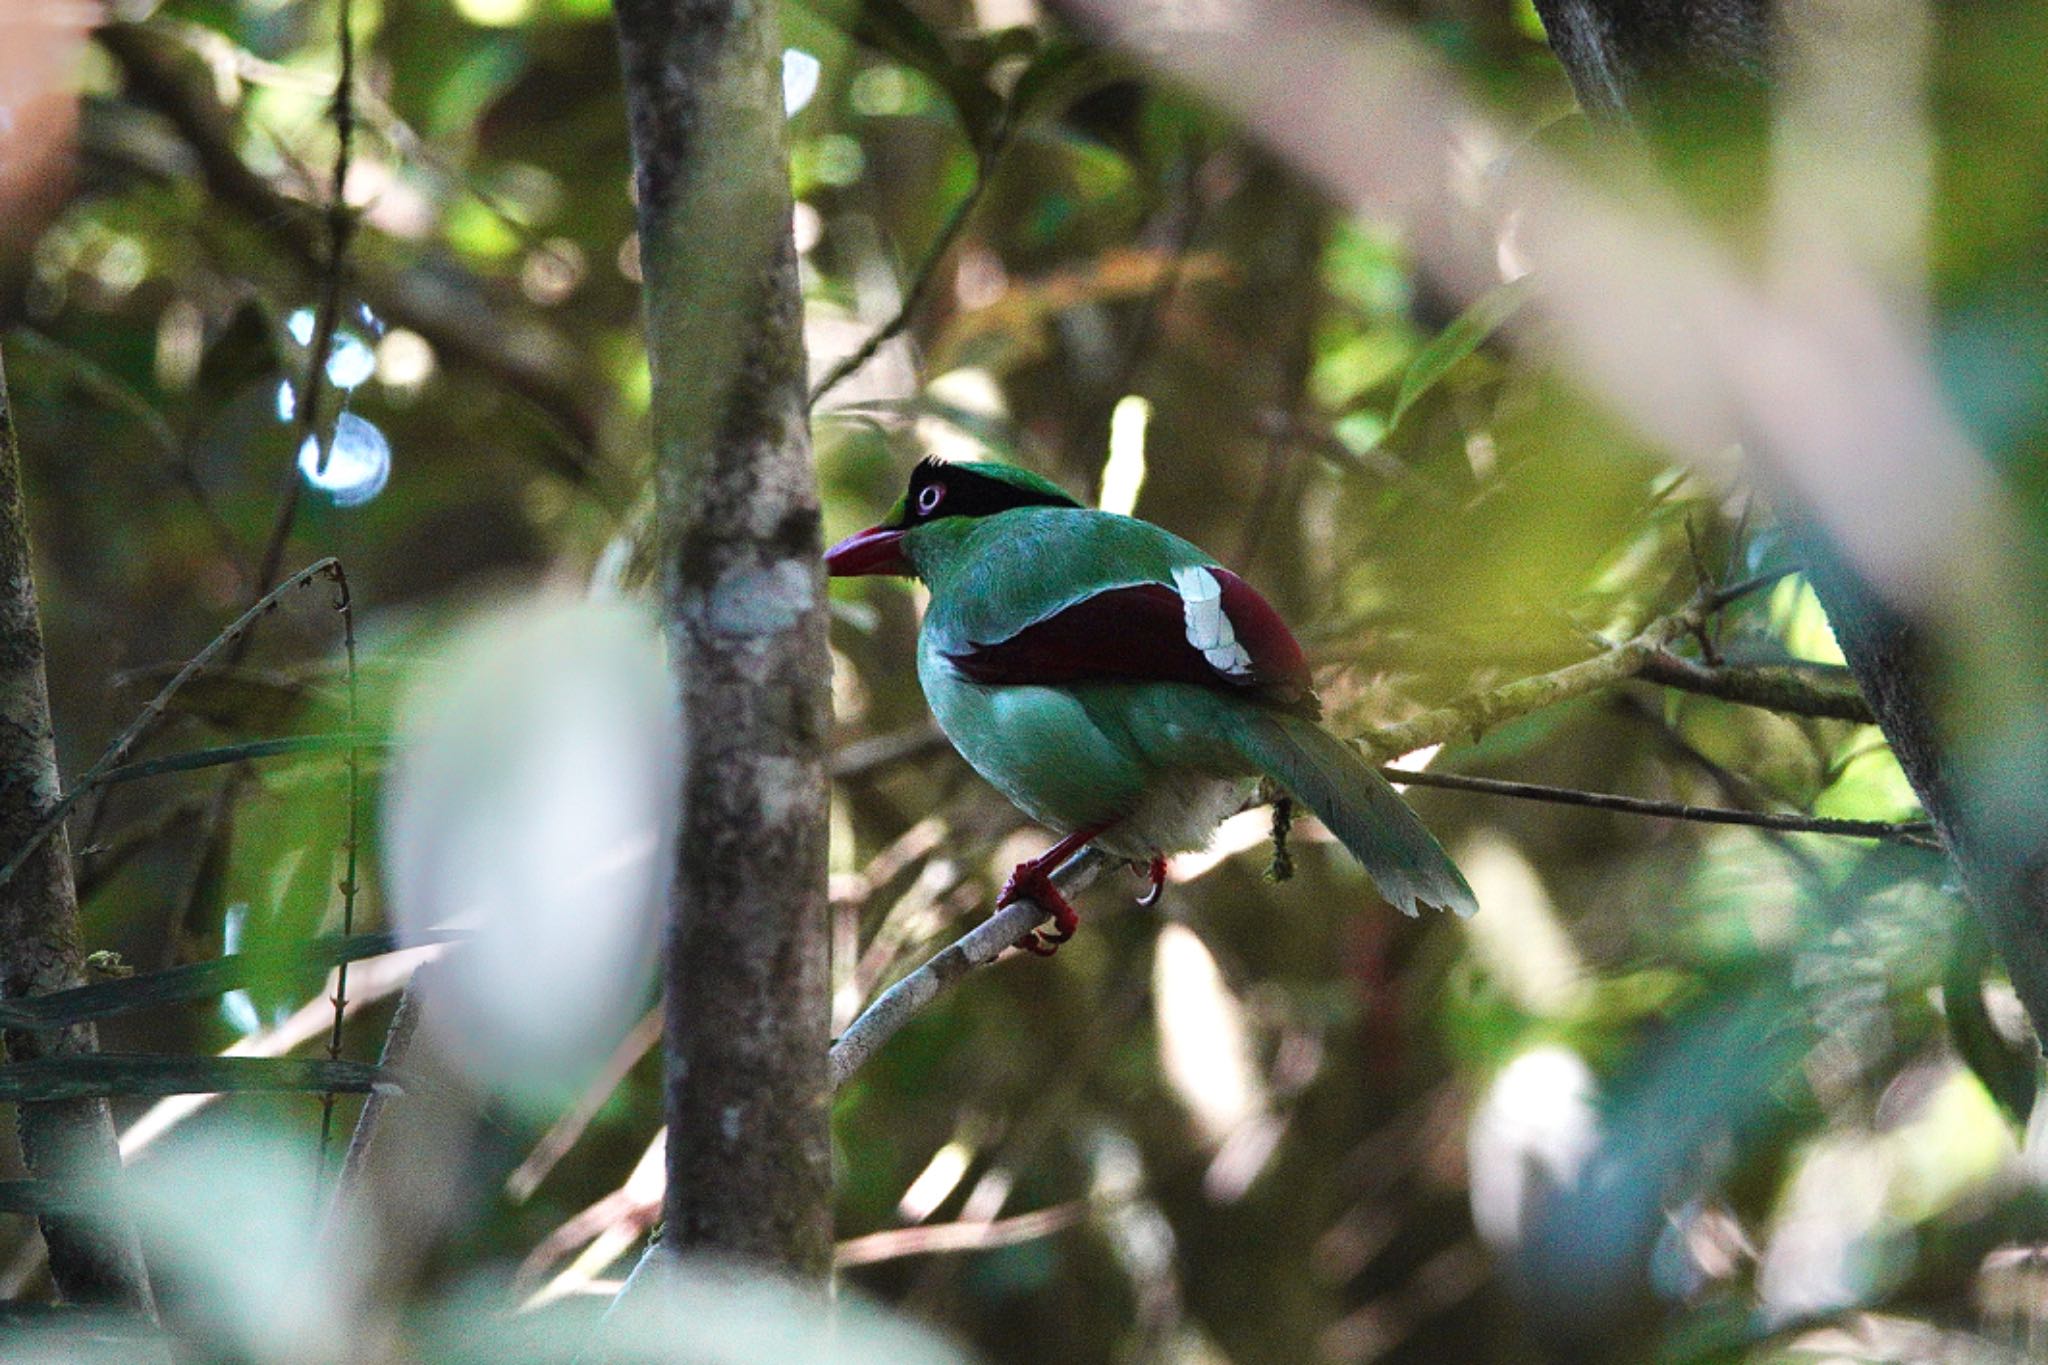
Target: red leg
(1156, 872)
(1033, 880)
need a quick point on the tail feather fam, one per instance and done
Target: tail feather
(1404, 860)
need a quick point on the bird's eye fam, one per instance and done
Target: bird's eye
(929, 498)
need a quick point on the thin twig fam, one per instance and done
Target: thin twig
(1471, 716)
(398, 1036)
(942, 1238)
(569, 1128)
(125, 742)
(340, 228)
(1911, 831)
(346, 607)
(927, 272)
(1736, 591)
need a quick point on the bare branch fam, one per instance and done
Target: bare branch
(398, 1036)
(1914, 832)
(341, 226)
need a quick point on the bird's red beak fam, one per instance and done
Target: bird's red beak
(879, 549)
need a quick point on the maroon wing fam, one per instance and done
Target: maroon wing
(1140, 633)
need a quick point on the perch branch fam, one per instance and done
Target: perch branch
(981, 945)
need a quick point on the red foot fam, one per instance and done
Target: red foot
(1156, 872)
(1033, 881)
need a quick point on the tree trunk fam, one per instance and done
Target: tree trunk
(738, 540)
(94, 1259)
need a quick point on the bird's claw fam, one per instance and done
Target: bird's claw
(1155, 871)
(1033, 881)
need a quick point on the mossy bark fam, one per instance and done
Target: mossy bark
(738, 536)
(93, 1259)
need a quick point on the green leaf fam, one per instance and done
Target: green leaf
(1466, 334)
(108, 1074)
(199, 981)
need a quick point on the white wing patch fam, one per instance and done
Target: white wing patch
(1208, 628)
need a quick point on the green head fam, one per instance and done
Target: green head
(942, 498)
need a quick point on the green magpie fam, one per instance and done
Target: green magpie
(1121, 686)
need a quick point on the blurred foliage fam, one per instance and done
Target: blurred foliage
(1681, 1092)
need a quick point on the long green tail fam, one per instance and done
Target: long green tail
(1404, 860)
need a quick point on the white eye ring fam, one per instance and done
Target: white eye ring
(929, 497)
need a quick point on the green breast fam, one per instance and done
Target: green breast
(1039, 746)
